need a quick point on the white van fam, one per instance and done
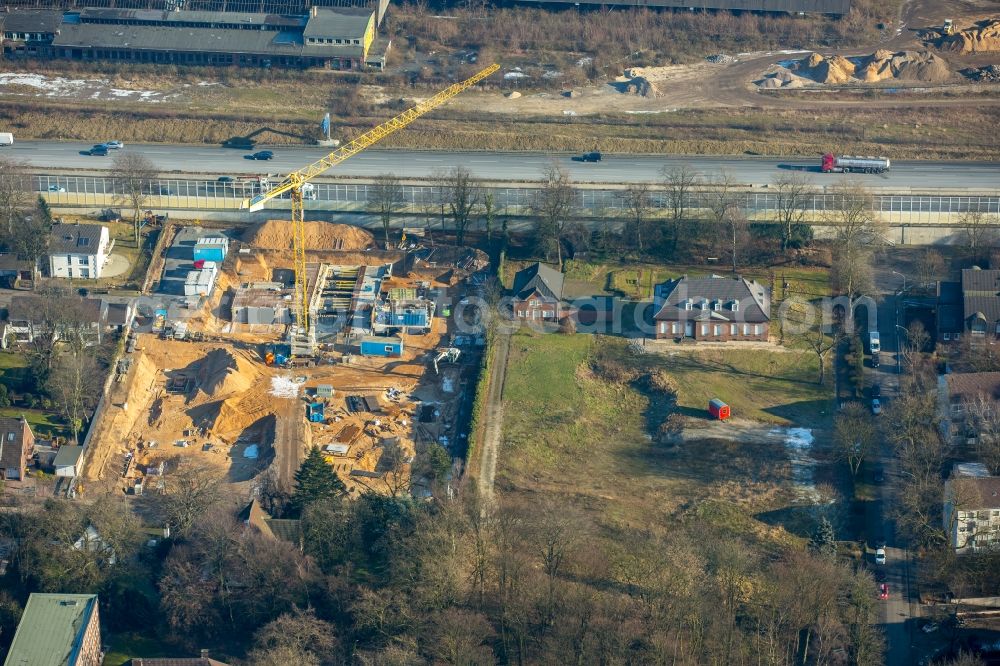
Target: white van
(6, 139)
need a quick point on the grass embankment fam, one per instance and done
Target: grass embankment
(911, 133)
(573, 431)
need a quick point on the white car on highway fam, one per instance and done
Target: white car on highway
(115, 145)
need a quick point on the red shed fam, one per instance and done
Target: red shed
(718, 409)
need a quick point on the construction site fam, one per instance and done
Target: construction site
(268, 340)
(216, 381)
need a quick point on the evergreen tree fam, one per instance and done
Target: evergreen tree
(824, 541)
(315, 481)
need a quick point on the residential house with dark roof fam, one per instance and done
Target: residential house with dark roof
(972, 512)
(17, 273)
(204, 660)
(283, 529)
(17, 443)
(79, 250)
(537, 294)
(970, 306)
(29, 316)
(716, 308)
(964, 399)
(58, 630)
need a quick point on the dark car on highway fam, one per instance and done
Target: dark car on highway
(594, 156)
(876, 390)
(260, 155)
(100, 150)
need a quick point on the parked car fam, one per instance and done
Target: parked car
(225, 179)
(930, 627)
(260, 155)
(115, 145)
(880, 556)
(876, 407)
(876, 391)
(56, 188)
(100, 150)
(879, 476)
(883, 591)
(875, 362)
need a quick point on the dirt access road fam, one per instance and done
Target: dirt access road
(705, 85)
(493, 433)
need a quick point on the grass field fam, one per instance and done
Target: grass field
(572, 431)
(43, 423)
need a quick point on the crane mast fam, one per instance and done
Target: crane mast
(293, 182)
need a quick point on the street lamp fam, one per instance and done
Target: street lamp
(902, 276)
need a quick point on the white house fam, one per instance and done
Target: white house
(79, 250)
(972, 512)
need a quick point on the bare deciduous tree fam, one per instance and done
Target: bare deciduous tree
(638, 204)
(930, 267)
(553, 205)
(855, 435)
(133, 175)
(977, 230)
(190, 491)
(489, 214)
(15, 192)
(386, 199)
(679, 184)
(857, 230)
(464, 194)
(792, 196)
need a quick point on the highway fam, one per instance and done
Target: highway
(217, 161)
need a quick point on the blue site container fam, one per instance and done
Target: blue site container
(315, 412)
(376, 346)
(211, 248)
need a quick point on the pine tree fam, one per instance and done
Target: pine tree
(315, 481)
(824, 541)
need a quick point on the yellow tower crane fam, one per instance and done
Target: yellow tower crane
(294, 181)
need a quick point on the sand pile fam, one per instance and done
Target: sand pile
(982, 39)
(883, 65)
(222, 374)
(836, 69)
(277, 235)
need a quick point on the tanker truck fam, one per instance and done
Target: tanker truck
(848, 164)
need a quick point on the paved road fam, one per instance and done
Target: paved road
(505, 166)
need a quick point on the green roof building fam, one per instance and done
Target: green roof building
(58, 630)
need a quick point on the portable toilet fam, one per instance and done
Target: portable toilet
(315, 412)
(718, 409)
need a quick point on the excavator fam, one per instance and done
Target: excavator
(449, 354)
(295, 183)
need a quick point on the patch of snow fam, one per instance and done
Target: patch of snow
(251, 452)
(509, 76)
(798, 443)
(285, 387)
(569, 112)
(552, 74)
(209, 83)
(585, 61)
(643, 113)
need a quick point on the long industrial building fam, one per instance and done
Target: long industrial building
(833, 7)
(341, 38)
